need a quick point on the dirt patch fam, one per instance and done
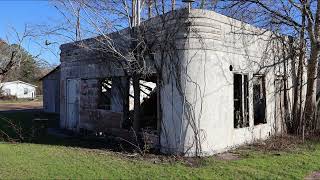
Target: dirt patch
(228, 156)
(313, 176)
(277, 143)
(194, 162)
(20, 105)
(160, 159)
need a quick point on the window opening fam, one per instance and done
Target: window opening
(25, 90)
(259, 99)
(241, 100)
(104, 101)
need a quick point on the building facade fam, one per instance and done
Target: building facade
(19, 89)
(51, 91)
(219, 83)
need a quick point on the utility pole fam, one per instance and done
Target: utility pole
(173, 4)
(189, 4)
(133, 13)
(138, 11)
(149, 9)
(78, 25)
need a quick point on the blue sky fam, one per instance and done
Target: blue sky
(17, 13)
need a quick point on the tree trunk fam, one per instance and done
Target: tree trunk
(295, 88)
(136, 90)
(300, 71)
(310, 104)
(125, 94)
(314, 34)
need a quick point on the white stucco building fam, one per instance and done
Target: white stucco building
(220, 83)
(19, 89)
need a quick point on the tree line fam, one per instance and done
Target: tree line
(18, 64)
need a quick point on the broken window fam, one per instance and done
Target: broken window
(241, 100)
(149, 99)
(146, 88)
(237, 98)
(104, 101)
(25, 91)
(259, 99)
(246, 100)
(7, 92)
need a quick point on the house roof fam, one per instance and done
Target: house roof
(12, 82)
(52, 71)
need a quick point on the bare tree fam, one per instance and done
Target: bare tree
(299, 19)
(12, 51)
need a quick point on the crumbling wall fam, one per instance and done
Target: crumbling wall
(93, 118)
(89, 68)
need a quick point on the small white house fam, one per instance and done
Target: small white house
(19, 89)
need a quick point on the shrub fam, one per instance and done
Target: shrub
(8, 97)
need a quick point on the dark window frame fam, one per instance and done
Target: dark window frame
(104, 93)
(259, 99)
(241, 100)
(25, 91)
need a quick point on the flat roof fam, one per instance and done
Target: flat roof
(11, 82)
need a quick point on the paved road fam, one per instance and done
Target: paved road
(32, 105)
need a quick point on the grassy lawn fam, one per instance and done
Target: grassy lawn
(16, 101)
(10, 101)
(30, 160)
(19, 161)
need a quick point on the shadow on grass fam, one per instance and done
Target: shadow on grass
(35, 124)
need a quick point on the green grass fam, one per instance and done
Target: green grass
(24, 121)
(41, 161)
(15, 101)
(22, 100)
(19, 161)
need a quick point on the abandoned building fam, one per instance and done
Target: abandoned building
(211, 93)
(51, 91)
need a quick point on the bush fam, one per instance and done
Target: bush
(8, 97)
